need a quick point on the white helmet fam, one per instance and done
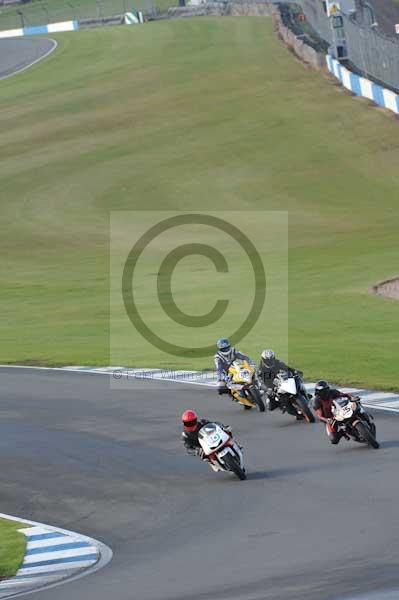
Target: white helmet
(268, 355)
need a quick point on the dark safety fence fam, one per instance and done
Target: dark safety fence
(372, 53)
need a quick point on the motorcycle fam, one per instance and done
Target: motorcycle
(291, 396)
(222, 452)
(351, 418)
(243, 385)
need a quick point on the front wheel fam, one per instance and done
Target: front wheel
(365, 434)
(304, 408)
(233, 465)
(257, 398)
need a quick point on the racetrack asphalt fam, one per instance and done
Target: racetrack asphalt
(312, 520)
(17, 54)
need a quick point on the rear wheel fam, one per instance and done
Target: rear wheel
(233, 465)
(365, 434)
(257, 398)
(304, 408)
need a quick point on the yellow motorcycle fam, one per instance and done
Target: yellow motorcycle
(243, 385)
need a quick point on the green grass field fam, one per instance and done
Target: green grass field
(183, 115)
(12, 548)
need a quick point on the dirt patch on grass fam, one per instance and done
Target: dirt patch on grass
(388, 288)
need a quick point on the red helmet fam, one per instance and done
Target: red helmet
(190, 420)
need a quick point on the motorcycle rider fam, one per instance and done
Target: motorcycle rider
(191, 427)
(322, 404)
(268, 370)
(223, 358)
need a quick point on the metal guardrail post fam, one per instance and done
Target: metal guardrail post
(21, 16)
(74, 13)
(99, 9)
(45, 9)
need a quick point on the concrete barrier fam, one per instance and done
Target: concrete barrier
(360, 86)
(297, 44)
(246, 8)
(41, 29)
(234, 8)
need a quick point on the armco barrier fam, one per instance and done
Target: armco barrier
(43, 29)
(363, 87)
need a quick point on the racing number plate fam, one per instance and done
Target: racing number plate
(215, 439)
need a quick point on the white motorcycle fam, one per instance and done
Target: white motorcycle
(222, 452)
(290, 395)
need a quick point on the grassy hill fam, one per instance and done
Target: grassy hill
(196, 114)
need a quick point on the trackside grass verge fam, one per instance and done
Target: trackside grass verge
(12, 547)
(202, 115)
